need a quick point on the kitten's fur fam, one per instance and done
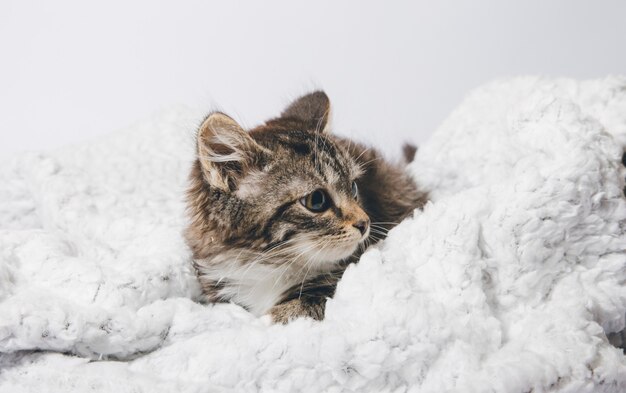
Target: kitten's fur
(253, 240)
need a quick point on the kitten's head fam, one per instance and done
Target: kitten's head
(285, 188)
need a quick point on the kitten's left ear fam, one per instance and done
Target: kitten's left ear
(225, 151)
(313, 108)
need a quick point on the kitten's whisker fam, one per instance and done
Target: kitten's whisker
(315, 153)
(380, 230)
(263, 255)
(323, 244)
(288, 265)
(363, 152)
(372, 160)
(307, 263)
(378, 239)
(324, 144)
(232, 266)
(284, 266)
(364, 245)
(267, 254)
(374, 230)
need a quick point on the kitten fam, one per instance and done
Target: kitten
(277, 213)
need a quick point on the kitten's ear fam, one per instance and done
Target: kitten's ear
(225, 150)
(313, 108)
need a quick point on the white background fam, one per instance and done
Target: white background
(72, 70)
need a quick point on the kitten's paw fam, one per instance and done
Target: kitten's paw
(288, 311)
(283, 313)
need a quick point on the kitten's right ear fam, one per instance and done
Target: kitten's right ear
(312, 108)
(225, 150)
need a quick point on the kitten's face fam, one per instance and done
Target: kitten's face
(308, 188)
(295, 188)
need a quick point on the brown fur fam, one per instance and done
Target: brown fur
(246, 212)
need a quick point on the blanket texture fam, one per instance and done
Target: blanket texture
(509, 280)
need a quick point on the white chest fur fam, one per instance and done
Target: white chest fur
(252, 284)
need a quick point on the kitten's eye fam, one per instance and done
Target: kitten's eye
(355, 190)
(317, 201)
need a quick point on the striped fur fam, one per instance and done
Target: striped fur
(253, 242)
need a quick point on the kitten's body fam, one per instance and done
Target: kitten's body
(253, 240)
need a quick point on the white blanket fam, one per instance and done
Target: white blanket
(506, 282)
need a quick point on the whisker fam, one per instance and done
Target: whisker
(265, 255)
(309, 262)
(377, 238)
(284, 268)
(370, 161)
(377, 230)
(307, 249)
(363, 152)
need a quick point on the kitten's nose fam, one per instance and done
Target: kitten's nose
(361, 225)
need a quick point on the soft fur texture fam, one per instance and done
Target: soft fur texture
(254, 241)
(506, 282)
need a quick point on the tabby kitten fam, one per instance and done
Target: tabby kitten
(277, 213)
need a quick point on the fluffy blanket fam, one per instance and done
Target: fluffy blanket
(508, 281)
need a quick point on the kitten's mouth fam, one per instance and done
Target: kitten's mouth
(324, 254)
